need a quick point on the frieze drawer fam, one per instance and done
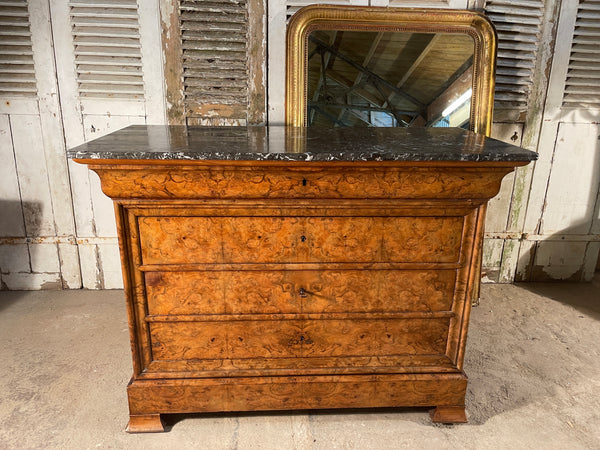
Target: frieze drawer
(197, 182)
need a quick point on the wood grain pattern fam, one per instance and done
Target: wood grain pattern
(308, 291)
(145, 423)
(281, 393)
(188, 240)
(194, 181)
(286, 286)
(293, 366)
(297, 338)
(448, 414)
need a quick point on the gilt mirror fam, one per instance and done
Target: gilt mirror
(390, 67)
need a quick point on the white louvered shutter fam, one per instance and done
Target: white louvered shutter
(518, 23)
(214, 38)
(107, 48)
(17, 75)
(110, 75)
(582, 87)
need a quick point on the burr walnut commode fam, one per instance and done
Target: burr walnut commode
(278, 268)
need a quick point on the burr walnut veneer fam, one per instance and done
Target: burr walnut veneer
(275, 269)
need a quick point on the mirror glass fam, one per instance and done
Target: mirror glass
(389, 79)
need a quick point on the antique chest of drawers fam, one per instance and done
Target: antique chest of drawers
(273, 268)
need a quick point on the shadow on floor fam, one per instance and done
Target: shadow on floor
(584, 297)
(530, 345)
(417, 415)
(9, 298)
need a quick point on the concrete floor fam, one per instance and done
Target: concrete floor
(533, 359)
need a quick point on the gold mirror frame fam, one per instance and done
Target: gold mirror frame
(378, 19)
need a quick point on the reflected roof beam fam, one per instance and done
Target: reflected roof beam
(365, 63)
(414, 66)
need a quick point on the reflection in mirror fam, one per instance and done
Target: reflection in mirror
(389, 79)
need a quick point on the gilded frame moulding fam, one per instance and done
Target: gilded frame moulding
(382, 19)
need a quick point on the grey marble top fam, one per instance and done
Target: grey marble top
(298, 144)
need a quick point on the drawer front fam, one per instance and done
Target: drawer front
(355, 182)
(177, 341)
(199, 240)
(288, 292)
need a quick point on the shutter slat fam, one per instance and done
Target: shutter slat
(513, 9)
(209, 55)
(518, 46)
(108, 13)
(131, 33)
(107, 48)
(115, 4)
(107, 51)
(107, 70)
(84, 41)
(587, 31)
(219, 46)
(589, 13)
(518, 23)
(512, 81)
(583, 57)
(103, 79)
(85, 60)
(513, 72)
(575, 73)
(9, 30)
(575, 83)
(586, 40)
(210, 16)
(222, 73)
(220, 36)
(81, 21)
(583, 99)
(205, 26)
(511, 64)
(513, 31)
(16, 68)
(110, 90)
(200, 67)
(17, 72)
(7, 50)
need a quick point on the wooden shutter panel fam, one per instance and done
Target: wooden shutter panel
(107, 48)
(518, 23)
(17, 75)
(214, 36)
(582, 88)
(214, 61)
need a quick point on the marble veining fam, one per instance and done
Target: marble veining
(278, 143)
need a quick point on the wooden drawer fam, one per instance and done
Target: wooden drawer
(297, 338)
(309, 291)
(312, 181)
(205, 240)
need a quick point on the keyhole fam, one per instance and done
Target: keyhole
(304, 182)
(303, 238)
